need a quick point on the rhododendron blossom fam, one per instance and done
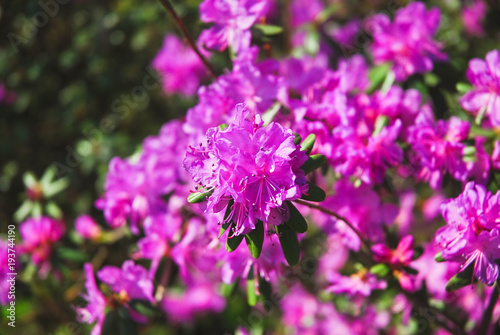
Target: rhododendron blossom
(258, 167)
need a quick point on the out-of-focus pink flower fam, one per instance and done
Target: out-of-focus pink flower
(198, 299)
(438, 148)
(232, 22)
(304, 11)
(132, 280)
(408, 41)
(96, 303)
(179, 66)
(87, 227)
(7, 97)
(484, 98)
(39, 235)
(361, 283)
(495, 156)
(397, 259)
(473, 16)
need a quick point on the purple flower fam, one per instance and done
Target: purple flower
(306, 314)
(495, 156)
(132, 281)
(397, 259)
(407, 42)
(96, 303)
(258, 167)
(179, 66)
(5, 268)
(472, 16)
(437, 148)
(87, 227)
(196, 300)
(304, 11)
(362, 207)
(471, 234)
(39, 235)
(361, 283)
(346, 35)
(232, 22)
(134, 188)
(240, 262)
(484, 98)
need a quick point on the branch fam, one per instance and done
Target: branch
(338, 216)
(170, 9)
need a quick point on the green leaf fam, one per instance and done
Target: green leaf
(255, 239)
(315, 193)
(313, 162)
(377, 76)
(296, 220)
(29, 180)
(289, 243)
(463, 88)
(229, 289)
(268, 29)
(251, 294)
(48, 176)
(380, 270)
(72, 254)
(223, 126)
(23, 211)
(198, 197)
(380, 123)
(53, 210)
(143, 307)
(227, 222)
(297, 139)
(233, 242)
(439, 257)
(461, 279)
(308, 143)
(55, 187)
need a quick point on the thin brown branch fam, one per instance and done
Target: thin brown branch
(170, 9)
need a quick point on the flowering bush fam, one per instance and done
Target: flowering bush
(365, 207)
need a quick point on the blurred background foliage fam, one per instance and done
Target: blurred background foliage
(74, 77)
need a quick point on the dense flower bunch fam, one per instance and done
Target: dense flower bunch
(257, 167)
(339, 163)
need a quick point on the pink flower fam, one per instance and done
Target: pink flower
(196, 300)
(407, 42)
(471, 235)
(258, 167)
(484, 98)
(131, 280)
(39, 235)
(232, 22)
(87, 227)
(180, 67)
(472, 16)
(361, 283)
(96, 303)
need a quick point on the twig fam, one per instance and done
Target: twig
(170, 9)
(338, 216)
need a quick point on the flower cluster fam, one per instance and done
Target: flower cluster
(337, 163)
(471, 235)
(257, 167)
